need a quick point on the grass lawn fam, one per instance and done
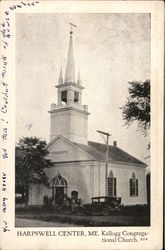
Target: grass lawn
(125, 218)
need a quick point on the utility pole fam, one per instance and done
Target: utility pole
(106, 159)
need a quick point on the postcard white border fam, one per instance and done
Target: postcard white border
(10, 240)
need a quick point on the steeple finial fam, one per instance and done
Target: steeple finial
(78, 78)
(70, 72)
(60, 80)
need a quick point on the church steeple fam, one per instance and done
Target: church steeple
(69, 117)
(60, 80)
(70, 72)
(78, 78)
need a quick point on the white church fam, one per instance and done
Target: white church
(80, 167)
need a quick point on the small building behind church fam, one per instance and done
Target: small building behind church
(80, 169)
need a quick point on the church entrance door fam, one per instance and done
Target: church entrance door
(59, 197)
(59, 189)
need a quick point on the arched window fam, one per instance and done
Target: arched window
(59, 188)
(133, 185)
(111, 184)
(59, 181)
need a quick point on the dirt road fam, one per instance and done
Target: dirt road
(20, 222)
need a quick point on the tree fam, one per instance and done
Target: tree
(30, 162)
(137, 107)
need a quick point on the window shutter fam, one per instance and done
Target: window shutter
(114, 186)
(110, 186)
(130, 186)
(136, 187)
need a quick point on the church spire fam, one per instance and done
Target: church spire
(78, 78)
(70, 73)
(60, 80)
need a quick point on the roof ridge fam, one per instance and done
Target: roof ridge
(103, 144)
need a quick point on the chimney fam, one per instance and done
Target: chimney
(115, 143)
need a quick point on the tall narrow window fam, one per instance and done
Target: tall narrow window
(111, 184)
(76, 96)
(133, 186)
(64, 96)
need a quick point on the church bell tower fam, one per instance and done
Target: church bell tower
(69, 117)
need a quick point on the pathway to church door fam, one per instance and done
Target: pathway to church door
(59, 197)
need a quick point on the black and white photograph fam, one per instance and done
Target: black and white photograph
(81, 103)
(82, 138)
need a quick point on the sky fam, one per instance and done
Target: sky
(109, 49)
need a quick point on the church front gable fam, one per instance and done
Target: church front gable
(62, 150)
